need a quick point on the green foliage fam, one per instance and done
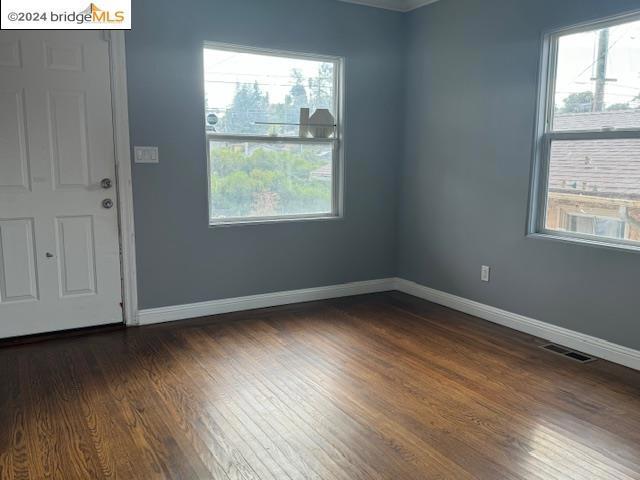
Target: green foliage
(250, 179)
(249, 105)
(616, 107)
(578, 103)
(321, 87)
(583, 103)
(261, 181)
(295, 99)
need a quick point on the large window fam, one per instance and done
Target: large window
(273, 135)
(588, 150)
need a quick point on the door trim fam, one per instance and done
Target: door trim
(119, 105)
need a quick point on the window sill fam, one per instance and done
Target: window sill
(624, 247)
(271, 221)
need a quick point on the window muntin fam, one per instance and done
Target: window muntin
(262, 165)
(589, 143)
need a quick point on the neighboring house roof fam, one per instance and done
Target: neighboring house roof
(605, 168)
(597, 120)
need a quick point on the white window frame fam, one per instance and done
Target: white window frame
(545, 135)
(337, 141)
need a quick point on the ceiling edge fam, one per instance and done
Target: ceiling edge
(418, 3)
(413, 4)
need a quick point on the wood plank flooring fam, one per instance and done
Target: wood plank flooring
(375, 387)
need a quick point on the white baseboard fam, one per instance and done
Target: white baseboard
(226, 305)
(563, 336)
(569, 338)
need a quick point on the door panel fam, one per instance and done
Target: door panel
(60, 255)
(18, 276)
(10, 53)
(64, 56)
(68, 128)
(76, 256)
(14, 168)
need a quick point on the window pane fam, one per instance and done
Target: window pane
(243, 91)
(253, 180)
(598, 79)
(594, 188)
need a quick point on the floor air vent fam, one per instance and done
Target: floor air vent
(572, 354)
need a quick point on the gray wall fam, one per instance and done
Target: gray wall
(470, 107)
(457, 201)
(179, 258)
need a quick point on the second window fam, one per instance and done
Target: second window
(589, 142)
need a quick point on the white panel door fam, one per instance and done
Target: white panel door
(59, 250)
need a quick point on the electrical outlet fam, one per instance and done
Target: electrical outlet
(484, 273)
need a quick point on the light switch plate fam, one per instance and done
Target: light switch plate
(146, 155)
(484, 273)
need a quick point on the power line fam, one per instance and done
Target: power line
(216, 72)
(229, 82)
(600, 56)
(265, 75)
(636, 88)
(622, 95)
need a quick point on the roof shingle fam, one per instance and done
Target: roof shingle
(606, 168)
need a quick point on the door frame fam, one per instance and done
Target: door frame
(123, 181)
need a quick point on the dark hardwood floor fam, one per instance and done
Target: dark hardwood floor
(373, 387)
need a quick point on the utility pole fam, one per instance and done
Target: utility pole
(601, 70)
